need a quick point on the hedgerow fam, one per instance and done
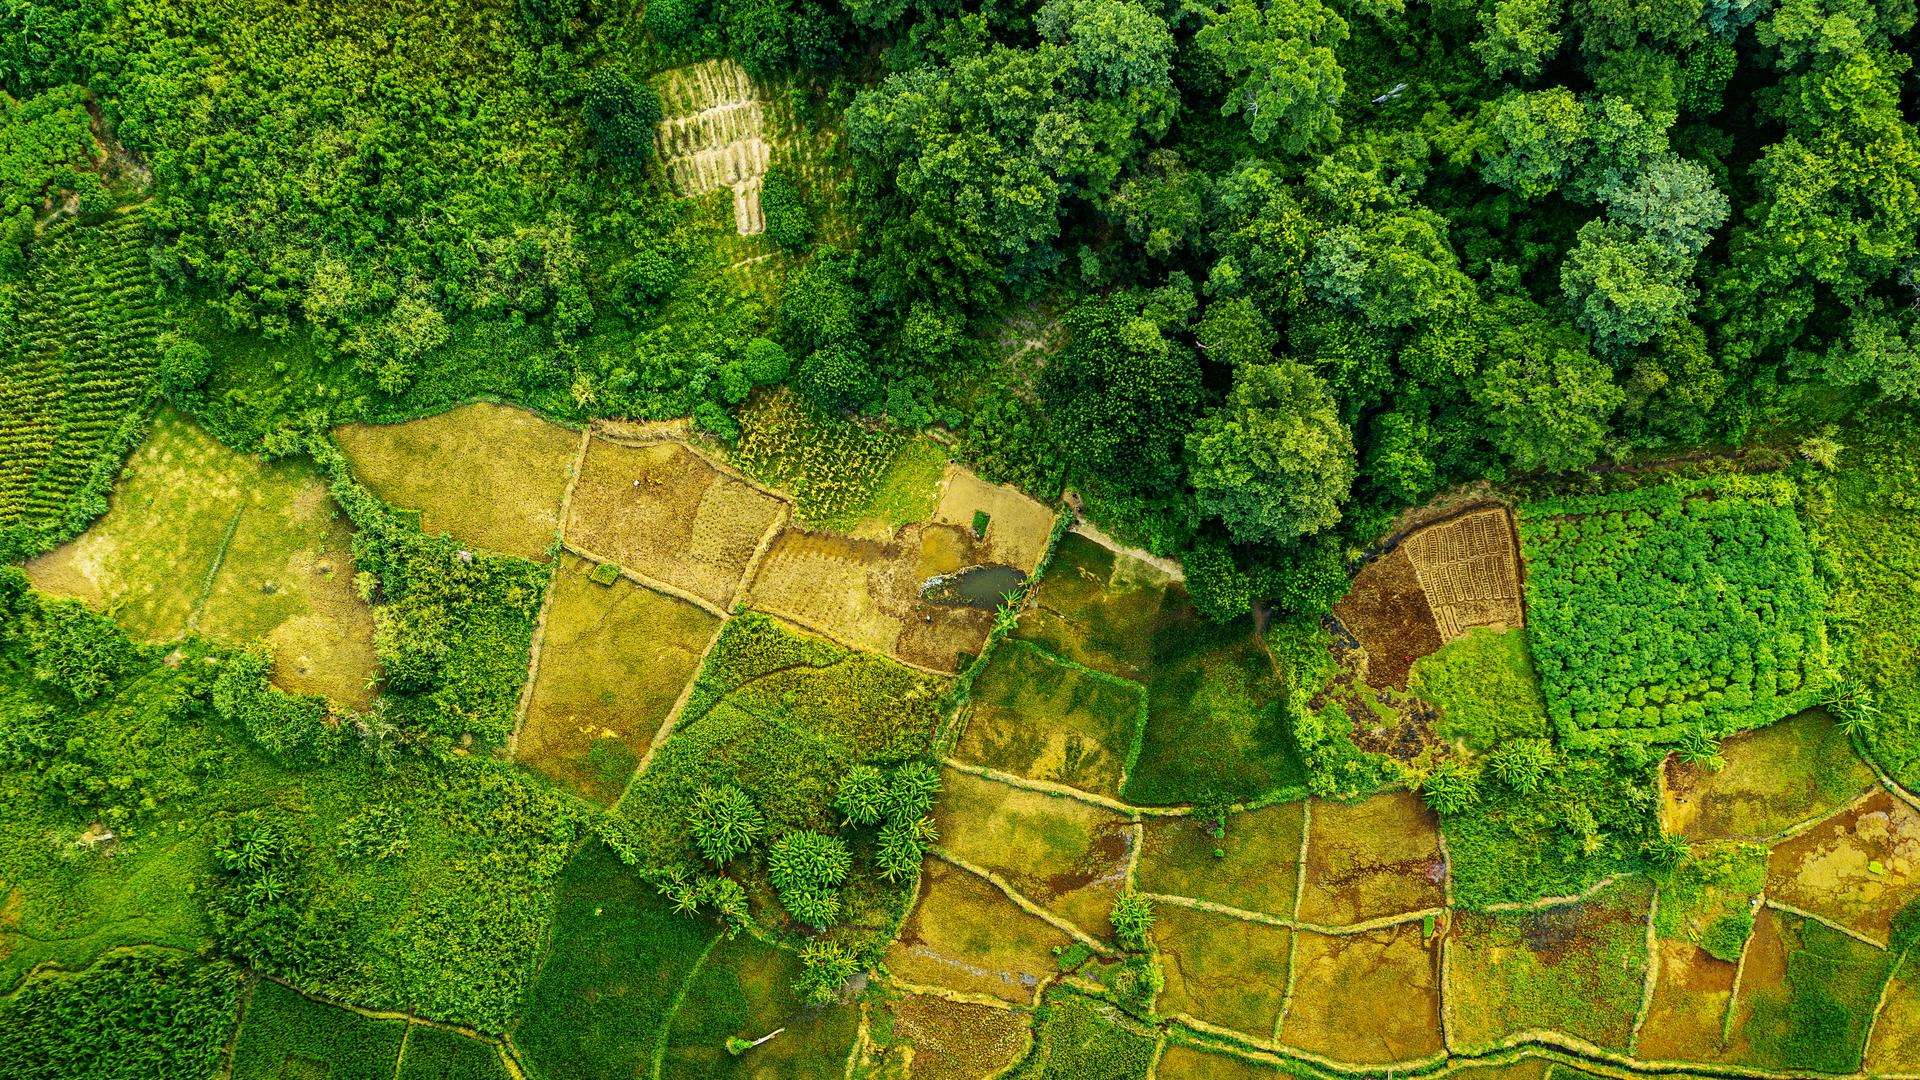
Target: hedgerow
(1691, 606)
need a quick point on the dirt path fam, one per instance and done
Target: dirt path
(1159, 562)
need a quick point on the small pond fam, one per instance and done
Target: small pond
(981, 587)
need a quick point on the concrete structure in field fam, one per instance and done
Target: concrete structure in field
(713, 136)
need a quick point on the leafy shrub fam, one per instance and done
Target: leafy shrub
(807, 869)
(621, 112)
(828, 966)
(863, 795)
(290, 727)
(1132, 916)
(724, 822)
(131, 1016)
(788, 222)
(76, 650)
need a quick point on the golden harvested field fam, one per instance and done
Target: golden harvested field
(1017, 525)
(613, 661)
(1373, 858)
(954, 1040)
(489, 475)
(200, 538)
(1372, 997)
(668, 513)
(1068, 856)
(966, 935)
(1469, 567)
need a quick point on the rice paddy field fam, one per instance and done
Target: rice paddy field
(706, 637)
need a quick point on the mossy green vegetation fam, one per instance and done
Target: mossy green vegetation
(744, 991)
(1485, 687)
(434, 1053)
(1709, 899)
(147, 1014)
(1689, 606)
(1080, 1038)
(608, 987)
(1815, 1014)
(284, 1033)
(1036, 716)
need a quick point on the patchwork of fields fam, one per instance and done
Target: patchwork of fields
(1098, 743)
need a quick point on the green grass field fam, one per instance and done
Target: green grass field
(284, 1035)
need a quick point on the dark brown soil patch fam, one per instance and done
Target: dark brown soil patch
(1388, 614)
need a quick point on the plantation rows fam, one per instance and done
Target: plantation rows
(79, 370)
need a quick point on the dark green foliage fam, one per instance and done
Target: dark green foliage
(1274, 462)
(1131, 917)
(75, 650)
(1079, 1038)
(1672, 608)
(438, 1054)
(789, 223)
(286, 1033)
(606, 991)
(621, 112)
(146, 1015)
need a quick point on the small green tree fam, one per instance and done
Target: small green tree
(863, 795)
(622, 112)
(724, 822)
(1274, 462)
(1132, 916)
(1451, 789)
(910, 791)
(825, 968)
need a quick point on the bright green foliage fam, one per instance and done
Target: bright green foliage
(79, 365)
(724, 822)
(1709, 897)
(903, 843)
(1274, 462)
(1451, 789)
(1131, 918)
(46, 148)
(1395, 270)
(132, 1016)
(73, 649)
(828, 967)
(1546, 397)
(1623, 289)
(621, 113)
(808, 870)
(1278, 56)
(788, 222)
(1518, 36)
(1572, 820)
(863, 795)
(910, 791)
(1677, 607)
(1485, 687)
(290, 727)
(438, 1054)
(1083, 1039)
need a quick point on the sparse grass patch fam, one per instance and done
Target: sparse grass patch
(1690, 1000)
(952, 1040)
(1036, 717)
(1366, 998)
(200, 538)
(1579, 969)
(1067, 855)
(1896, 1035)
(668, 513)
(1774, 778)
(613, 660)
(490, 475)
(1252, 867)
(285, 1034)
(1380, 856)
(966, 935)
(1181, 1062)
(1221, 970)
(606, 992)
(833, 467)
(1485, 687)
(1856, 869)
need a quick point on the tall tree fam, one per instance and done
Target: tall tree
(1274, 462)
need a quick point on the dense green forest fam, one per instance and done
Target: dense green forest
(1453, 469)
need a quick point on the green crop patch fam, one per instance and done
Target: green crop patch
(1212, 686)
(1807, 996)
(79, 371)
(1097, 607)
(1249, 864)
(1895, 1046)
(438, 1054)
(835, 468)
(1180, 1062)
(607, 990)
(1083, 1039)
(1036, 717)
(284, 1034)
(614, 659)
(1486, 688)
(742, 993)
(1676, 608)
(143, 1013)
(1578, 969)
